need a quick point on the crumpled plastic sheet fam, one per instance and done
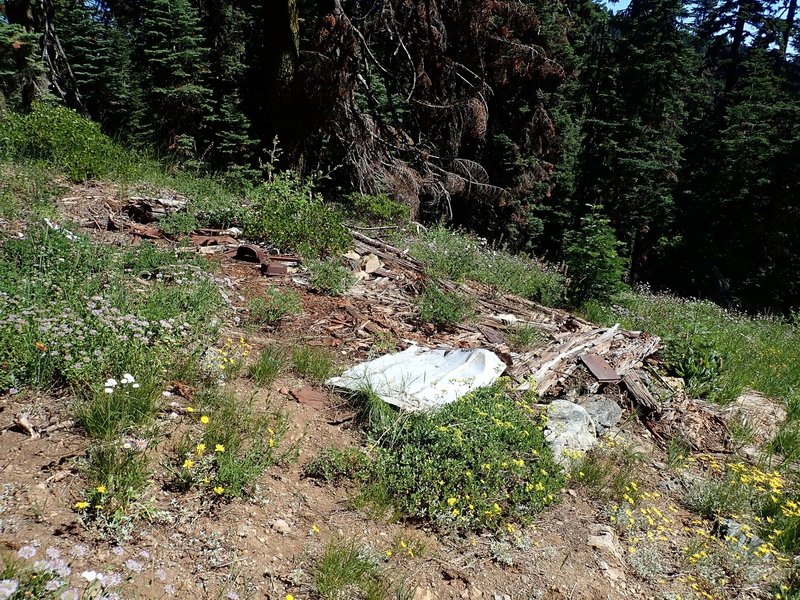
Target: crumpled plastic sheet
(419, 379)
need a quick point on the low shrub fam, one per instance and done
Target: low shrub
(288, 214)
(62, 138)
(479, 463)
(379, 208)
(330, 277)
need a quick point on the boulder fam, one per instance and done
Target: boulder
(604, 411)
(570, 431)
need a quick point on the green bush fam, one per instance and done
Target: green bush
(460, 256)
(444, 309)
(287, 213)
(479, 463)
(276, 304)
(375, 209)
(595, 268)
(62, 138)
(694, 357)
(330, 277)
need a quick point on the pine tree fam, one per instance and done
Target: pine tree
(173, 66)
(20, 66)
(227, 126)
(100, 57)
(632, 151)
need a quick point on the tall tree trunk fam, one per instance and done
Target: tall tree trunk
(787, 34)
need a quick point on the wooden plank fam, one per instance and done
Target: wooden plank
(599, 367)
(641, 395)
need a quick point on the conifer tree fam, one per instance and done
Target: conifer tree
(172, 62)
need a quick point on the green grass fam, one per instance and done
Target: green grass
(607, 472)
(525, 337)
(460, 256)
(314, 362)
(274, 305)
(27, 190)
(762, 353)
(444, 309)
(268, 366)
(346, 571)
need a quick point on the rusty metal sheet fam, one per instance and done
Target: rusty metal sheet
(273, 268)
(599, 367)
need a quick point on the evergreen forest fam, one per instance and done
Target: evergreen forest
(659, 143)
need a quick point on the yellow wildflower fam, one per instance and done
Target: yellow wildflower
(101, 489)
(204, 420)
(81, 505)
(200, 449)
(188, 463)
(218, 489)
(219, 448)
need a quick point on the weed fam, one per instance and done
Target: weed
(677, 453)
(268, 366)
(26, 190)
(525, 337)
(479, 463)
(233, 448)
(444, 309)
(286, 212)
(117, 477)
(334, 466)
(375, 209)
(695, 358)
(346, 571)
(313, 362)
(747, 343)
(276, 304)
(330, 277)
(606, 472)
(74, 312)
(460, 256)
(18, 580)
(179, 223)
(119, 406)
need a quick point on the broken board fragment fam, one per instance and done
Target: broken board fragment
(602, 371)
(418, 379)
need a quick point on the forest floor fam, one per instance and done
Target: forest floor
(636, 519)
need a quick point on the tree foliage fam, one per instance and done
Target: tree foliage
(504, 117)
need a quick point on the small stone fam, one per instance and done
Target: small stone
(284, 390)
(280, 526)
(422, 594)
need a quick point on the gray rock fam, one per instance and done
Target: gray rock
(605, 412)
(570, 431)
(280, 526)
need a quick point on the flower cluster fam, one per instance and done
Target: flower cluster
(127, 379)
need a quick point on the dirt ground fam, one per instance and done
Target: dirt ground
(264, 547)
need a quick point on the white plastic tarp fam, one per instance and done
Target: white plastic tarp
(423, 379)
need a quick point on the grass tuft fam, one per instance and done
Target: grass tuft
(268, 366)
(314, 362)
